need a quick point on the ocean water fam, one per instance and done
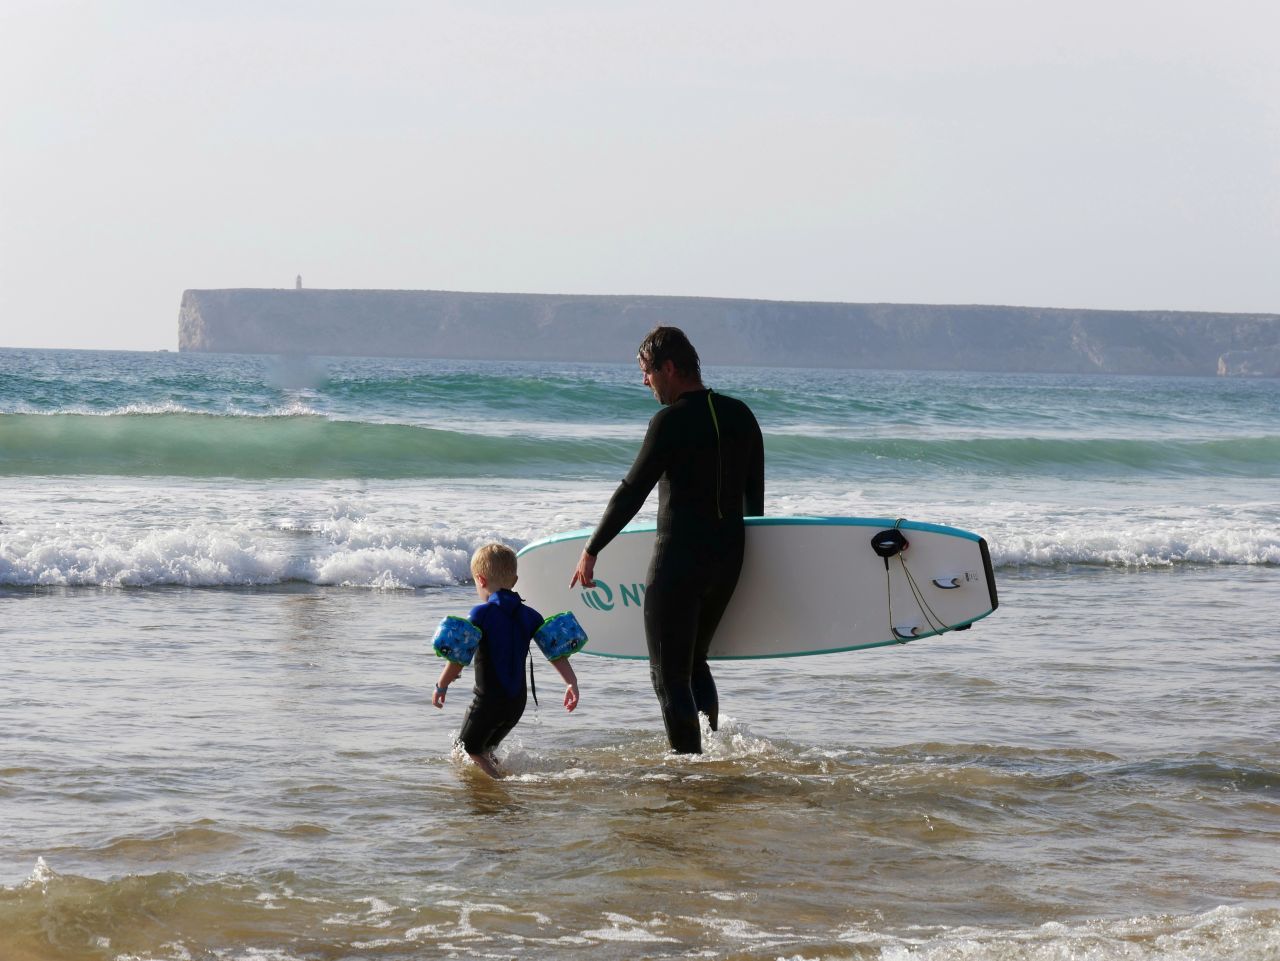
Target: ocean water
(219, 576)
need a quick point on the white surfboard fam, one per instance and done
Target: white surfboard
(809, 585)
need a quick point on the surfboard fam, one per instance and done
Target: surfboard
(809, 585)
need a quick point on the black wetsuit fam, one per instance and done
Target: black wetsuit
(706, 454)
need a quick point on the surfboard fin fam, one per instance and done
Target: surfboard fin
(948, 583)
(906, 632)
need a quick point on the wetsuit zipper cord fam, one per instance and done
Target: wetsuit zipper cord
(716, 424)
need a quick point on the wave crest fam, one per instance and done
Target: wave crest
(297, 442)
(280, 446)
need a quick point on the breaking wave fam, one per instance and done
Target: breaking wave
(149, 442)
(172, 916)
(390, 556)
(303, 446)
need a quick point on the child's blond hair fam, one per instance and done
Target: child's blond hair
(497, 563)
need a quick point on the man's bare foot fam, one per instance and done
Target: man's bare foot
(486, 763)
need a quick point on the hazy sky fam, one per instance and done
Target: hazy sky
(1088, 154)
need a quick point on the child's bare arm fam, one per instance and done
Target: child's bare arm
(447, 677)
(570, 680)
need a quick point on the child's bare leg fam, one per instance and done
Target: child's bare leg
(486, 763)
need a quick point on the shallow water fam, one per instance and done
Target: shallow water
(174, 788)
(219, 575)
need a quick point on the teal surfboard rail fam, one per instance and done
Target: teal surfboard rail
(797, 521)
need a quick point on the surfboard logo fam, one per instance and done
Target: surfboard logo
(601, 597)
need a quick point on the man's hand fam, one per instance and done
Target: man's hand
(585, 574)
(570, 697)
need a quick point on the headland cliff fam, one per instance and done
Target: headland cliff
(574, 327)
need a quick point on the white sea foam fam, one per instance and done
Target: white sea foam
(1138, 544)
(176, 952)
(737, 929)
(41, 875)
(1222, 934)
(733, 741)
(386, 555)
(624, 928)
(193, 558)
(375, 915)
(295, 407)
(391, 568)
(405, 535)
(211, 555)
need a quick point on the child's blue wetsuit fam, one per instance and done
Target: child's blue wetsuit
(507, 626)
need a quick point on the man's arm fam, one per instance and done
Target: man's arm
(626, 501)
(623, 505)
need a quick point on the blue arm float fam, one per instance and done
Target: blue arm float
(456, 640)
(560, 636)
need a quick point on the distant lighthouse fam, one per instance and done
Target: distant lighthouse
(297, 284)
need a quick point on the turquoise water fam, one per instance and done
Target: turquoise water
(218, 576)
(200, 416)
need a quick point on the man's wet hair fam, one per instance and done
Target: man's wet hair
(670, 344)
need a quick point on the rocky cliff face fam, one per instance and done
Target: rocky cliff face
(405, 323)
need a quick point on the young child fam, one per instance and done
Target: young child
(506, 626)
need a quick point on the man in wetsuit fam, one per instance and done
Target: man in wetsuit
(705, 452)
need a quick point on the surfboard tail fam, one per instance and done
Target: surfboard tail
(988, 572)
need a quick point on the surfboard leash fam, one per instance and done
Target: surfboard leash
(935, 622)
(715, 422)
(891, 543)
(888, 593)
